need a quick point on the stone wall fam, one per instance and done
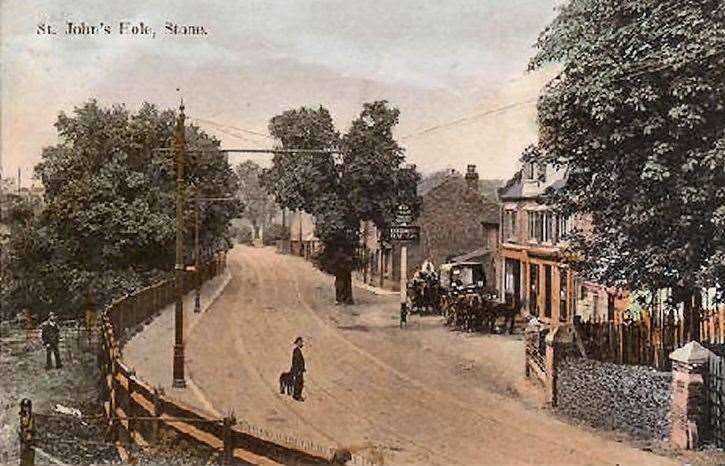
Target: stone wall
(630, 399)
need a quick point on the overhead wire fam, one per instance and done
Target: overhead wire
(225, 129)
(636, 72)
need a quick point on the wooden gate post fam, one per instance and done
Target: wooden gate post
(531, 340)
(26, 433)
(689, 415)
(228, 449)
(556, 341)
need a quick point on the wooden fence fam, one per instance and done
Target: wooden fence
(646, 341)
(137, 411)
(535, 347)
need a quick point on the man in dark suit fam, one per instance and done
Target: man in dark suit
(50, 334)
(298, 369)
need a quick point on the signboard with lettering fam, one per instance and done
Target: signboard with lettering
(404, 233)
(404, 215)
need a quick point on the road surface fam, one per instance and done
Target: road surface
(423, 395)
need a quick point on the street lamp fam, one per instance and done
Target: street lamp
(197, 270)
(179, 151)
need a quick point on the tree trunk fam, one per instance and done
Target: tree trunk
(365, 265)
(696, 316)
(690, 313)
(343, 286)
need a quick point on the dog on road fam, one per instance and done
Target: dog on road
(286, 383)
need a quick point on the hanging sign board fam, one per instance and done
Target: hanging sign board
(404, 233)
(403, 216)
(402, 230)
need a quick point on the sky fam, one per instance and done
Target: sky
(445, 65)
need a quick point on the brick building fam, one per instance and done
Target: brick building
(456, 222)
(531, 244)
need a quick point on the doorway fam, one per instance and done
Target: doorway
(512, 285)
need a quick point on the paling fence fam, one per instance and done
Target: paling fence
(647, 341)
(139, 411)
(135, 411)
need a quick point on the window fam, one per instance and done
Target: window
(541, 172)
(509, 224)
(563, 227)
(513, 277)
(535, 226)
(529, 169)
(549, 224)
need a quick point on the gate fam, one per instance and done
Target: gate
(715, 386)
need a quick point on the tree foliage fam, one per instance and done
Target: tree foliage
(259, 206)
(108, 225)
(362, 178)
(637, 114)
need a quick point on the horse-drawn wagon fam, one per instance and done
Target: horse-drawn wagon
(466, 300)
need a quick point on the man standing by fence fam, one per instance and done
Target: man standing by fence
(298, 369)
(50, 334)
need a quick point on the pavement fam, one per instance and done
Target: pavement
(376, 290)
(153, 348)
(425, 394)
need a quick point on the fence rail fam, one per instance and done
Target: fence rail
(138, 411)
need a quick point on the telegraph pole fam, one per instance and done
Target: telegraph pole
(197, 293)
(179, 152)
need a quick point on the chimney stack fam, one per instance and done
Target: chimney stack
(472, 178)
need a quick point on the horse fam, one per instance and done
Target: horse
(508, 311)
(472, 307)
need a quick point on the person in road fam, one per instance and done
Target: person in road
(403, 315)
(298, 369)
(50, 334)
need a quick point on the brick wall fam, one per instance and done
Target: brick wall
(450, 223)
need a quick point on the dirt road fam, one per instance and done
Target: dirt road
(423, 395)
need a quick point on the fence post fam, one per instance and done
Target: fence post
(689, 416)
(531, 342)
(228, 449)
(113, 394)
(26, 433)
(556, 340)
(120, 309)
(90, 316)
(130, 411)
(156, 423)
(29, 324)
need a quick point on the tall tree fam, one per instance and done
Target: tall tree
(259, 206)
(108, 219)
(637, 114)
(364, 179)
